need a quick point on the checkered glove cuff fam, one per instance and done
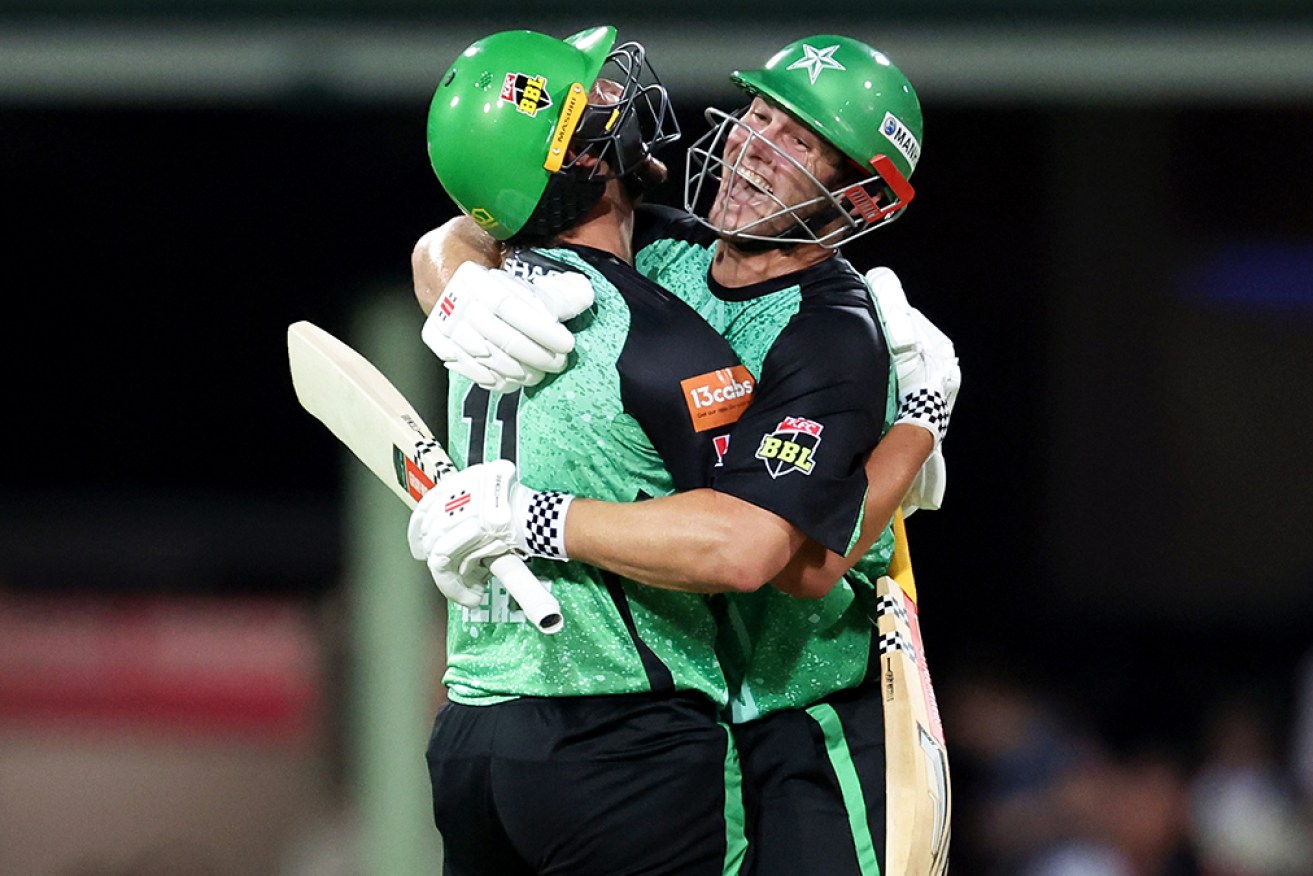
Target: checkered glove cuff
(544, 524)
(927, 409)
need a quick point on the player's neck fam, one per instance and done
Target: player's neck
(734, 267)
(609, 226)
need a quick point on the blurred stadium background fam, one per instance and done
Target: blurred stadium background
(216, 656)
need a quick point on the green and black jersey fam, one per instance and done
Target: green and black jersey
(650, 392)
(824, 396)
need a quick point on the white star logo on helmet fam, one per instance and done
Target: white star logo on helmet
(815, 60)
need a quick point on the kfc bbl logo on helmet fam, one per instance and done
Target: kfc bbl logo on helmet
(528, 93)
(791, 447)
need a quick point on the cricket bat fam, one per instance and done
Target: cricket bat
(369, 415)
(918, 789)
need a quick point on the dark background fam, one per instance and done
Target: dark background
(1128, 278)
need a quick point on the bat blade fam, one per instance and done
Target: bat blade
(919, 789)
(362, 408)
(370, 416)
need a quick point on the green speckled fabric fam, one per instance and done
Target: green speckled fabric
(778, 652)
(573, 434)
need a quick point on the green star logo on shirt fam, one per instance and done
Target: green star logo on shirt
(815, 60)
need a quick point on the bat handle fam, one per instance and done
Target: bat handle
(537, 602)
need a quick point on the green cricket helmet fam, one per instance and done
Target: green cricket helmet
(853, 98)
(510, 124)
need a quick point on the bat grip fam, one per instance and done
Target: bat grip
(536, 601)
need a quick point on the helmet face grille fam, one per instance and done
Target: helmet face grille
(631, 120)
(826, 217)
(852, 98)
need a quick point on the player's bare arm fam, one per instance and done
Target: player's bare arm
(728, 545)
(442, 250)
(701, 541)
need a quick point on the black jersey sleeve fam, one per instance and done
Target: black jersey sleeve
(653, 222)
(800, 448)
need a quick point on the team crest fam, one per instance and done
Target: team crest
(815, 60)
(791, 447)
(528, 93)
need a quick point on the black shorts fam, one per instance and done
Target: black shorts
(814, 787)
(587, 785)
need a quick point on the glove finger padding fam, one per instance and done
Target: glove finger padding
(492, 328)
(519, 325)
(930, 337)
(895, 312)
(940, 357)
(417, 529)
(479, 560)
(468, 591)
(459, 362)
(923, 357)
(465, 544)
(565, 294)
(510, 370)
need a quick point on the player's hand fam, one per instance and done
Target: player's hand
(924, 359)
(474, 516)
(503, 332)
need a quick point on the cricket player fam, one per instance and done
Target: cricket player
(598, 750)
(823, 152)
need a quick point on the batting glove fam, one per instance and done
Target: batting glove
(503, 332)
(472, 517)
(924, 359)
(927, 490)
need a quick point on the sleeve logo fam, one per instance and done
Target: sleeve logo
(791, 447)
(718, 397)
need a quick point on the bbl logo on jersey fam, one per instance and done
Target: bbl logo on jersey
(528, 93)
(791, 447)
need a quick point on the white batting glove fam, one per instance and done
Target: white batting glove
(474, 516)
(924, 359)
(503, 332)
(927, 490)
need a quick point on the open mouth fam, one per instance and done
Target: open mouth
(755, 180)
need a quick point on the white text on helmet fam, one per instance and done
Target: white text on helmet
(902, 138)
